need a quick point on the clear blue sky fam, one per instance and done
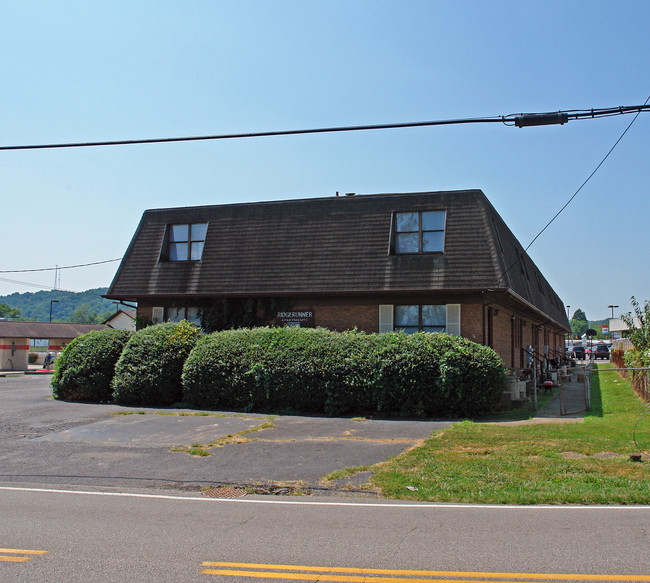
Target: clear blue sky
(81, 71)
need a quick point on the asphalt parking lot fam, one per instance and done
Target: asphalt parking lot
(45, 441)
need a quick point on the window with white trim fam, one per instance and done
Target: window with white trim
(176, 314)
(412, 318)
(426, 318)
(420, 232)
(185, 241)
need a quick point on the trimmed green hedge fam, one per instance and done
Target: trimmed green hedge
(318, 371)
(86, 366)
(149, 371)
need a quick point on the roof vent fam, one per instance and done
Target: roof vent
(350, 193)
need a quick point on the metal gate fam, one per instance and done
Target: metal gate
(575, 395)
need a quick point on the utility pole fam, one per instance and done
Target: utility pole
(52, 302)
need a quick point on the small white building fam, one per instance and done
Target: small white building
(16, 337)
(122, 320)
(618, 326)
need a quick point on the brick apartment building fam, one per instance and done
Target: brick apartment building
(431, 261)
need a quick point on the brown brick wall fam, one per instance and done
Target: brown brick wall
(145, 310)
(471, 322)
(346, 313)
(344, 317)
(502, 342)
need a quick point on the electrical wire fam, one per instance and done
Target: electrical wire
(509, 120)
(575, 114)
(58, 268)
(41, 287)
(588, 178)
(497, 119)
(638, 109)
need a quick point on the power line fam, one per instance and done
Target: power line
(639, 110)
(519, 120)
(41, 287)
(58, 268)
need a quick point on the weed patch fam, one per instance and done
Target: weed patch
(200, 449)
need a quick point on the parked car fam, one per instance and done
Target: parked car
(578, 352)
(601, 351)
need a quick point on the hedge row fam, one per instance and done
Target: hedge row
(319, 371)
(292, 370)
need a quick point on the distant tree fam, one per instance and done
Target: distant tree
(36, 305)
(578, 327)
(579, 315)
(579, 323)
(83, 315)
(101, 318)
(9, 312)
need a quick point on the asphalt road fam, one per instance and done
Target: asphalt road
(72, 537)
(48, 442)
(87, 495)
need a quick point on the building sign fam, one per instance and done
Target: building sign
(605, 329)
(298, 319)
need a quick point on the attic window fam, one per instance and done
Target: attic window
(420, 232)
(185, 242)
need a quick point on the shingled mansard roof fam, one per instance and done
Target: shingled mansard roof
(332, 246)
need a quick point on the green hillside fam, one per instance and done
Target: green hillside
(83, 307)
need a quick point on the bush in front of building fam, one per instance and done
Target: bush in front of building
(258, 369)
(319, 371)
(85, 368)
(472, 377)
(148, 372)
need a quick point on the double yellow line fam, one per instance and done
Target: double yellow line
(355, 575)
(12, 558)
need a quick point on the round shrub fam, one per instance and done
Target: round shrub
(149, 371)
(85, 368)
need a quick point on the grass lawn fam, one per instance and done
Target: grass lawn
(584, 463)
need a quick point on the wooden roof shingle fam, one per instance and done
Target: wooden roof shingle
(333, 245)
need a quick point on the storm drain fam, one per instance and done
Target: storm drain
(227, 492)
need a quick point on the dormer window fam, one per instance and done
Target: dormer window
(185, 242)
(420, 232)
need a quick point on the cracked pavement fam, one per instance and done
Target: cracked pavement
(48, 442)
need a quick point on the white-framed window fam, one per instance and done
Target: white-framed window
(185, 241)
(175, 314)
(412, 318)
(420, 318)
(420, 232)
